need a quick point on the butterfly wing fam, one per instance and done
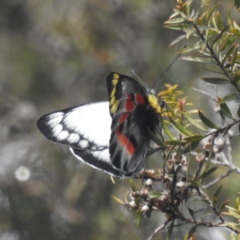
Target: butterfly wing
(97, 159)
(86, 129)
(133, 115)
(119, 86)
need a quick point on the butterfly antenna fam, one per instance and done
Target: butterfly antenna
(154, 85)
(139, 79)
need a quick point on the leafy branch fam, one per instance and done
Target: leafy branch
(190, 134)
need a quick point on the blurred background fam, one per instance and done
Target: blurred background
(56, 54)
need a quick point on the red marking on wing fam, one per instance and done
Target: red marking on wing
(123, 118)
(139, 99)
(125, 142)
(129, 104)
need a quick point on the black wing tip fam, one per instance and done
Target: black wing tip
(41, 124)
(43, 128)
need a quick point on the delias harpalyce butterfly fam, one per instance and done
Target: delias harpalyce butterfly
(111, 136)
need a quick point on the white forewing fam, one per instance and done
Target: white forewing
(85, 127)
(86, 130)
(92, 121)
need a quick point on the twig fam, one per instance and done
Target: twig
(157, 230)
(218, 179)
(204, 93)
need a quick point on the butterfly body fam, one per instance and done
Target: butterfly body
(111, 136)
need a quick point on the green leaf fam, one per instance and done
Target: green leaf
(219, 36)
(206, 121)
(225, 110)
(235, 31)
(180, 128)
(228, 54)
(236, 79)
(214, 201)
(190, 48)
(201, 20)
(229, 17)
(178, 39)
(220, 56)
(237, 3)
(212, 33)
(154, 194)
(215, 194)
(217, 21)
(195, 138)
(210, 15)
(167, 131)
(208, 172)
(182, 26)
(232, 209)
(192, 143)
(194, 122)
(138, 217)
(191, 213)
(174, 142)
(229, 97)
(234, 57)
(218, 81)
(195, 14)
(175, 20)
(192, 230)
(227, 43)
(190, 146)
(224, 204)
(200, 59)
(232, 212)
(132, 185)
(186, 237)
(118, 200)
(175, 14)
(235, 25)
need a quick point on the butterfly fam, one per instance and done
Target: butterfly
(112, 136)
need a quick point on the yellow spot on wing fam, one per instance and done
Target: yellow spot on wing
(116, 76)
(114, 82)
(113, 100)
(113, 92)
(114, 107)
